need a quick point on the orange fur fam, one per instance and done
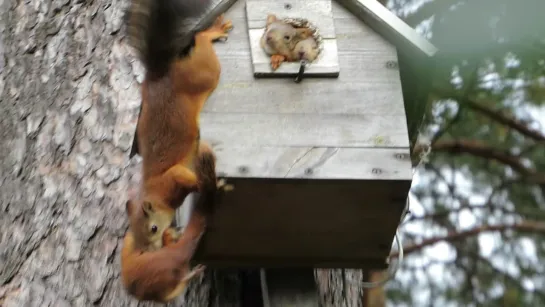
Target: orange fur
(163, 274)
(168, 135)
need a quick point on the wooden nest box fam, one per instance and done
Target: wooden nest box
(321, 168)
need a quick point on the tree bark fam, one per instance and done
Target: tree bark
(343, 288)
(69, 97)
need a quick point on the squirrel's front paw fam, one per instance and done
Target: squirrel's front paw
(276, 60)
(220, 28)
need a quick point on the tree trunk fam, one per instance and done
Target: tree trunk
(343, 288)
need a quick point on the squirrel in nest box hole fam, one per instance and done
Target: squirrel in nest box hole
(306, 49)
(280, 39)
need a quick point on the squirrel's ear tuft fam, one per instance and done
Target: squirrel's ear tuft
(147, 207)
(271, 18)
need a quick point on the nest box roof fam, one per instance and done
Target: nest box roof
(371, 12)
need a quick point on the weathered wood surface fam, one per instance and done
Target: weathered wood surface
(313, 162)
(69, 97)
(291, 223)
(247, 118)
(387, 24)
(317, 12)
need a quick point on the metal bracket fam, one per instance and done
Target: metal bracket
(301, 72)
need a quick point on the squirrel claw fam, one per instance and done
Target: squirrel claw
(224, 186)
(198, 269)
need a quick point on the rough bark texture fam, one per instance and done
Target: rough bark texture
(344, 288)
(69, 97)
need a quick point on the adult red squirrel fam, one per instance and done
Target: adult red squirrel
(178, 81)
(161, 275)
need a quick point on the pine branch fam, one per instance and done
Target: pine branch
(505, 119)
(525, 226)
(483, 150)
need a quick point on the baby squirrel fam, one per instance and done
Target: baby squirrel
(161, 275)
(177, 83)
(306, 49)
(279, 40)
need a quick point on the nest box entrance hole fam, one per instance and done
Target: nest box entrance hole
(315, 15)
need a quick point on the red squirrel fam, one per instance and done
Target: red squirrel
(279, 40)
(179, 79)
(163, 274)
(177, 83)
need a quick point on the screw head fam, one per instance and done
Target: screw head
(287, 6)
(376, 171)
(309, 171)
(243, 169)
(391, 64)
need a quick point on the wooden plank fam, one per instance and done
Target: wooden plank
(317, 12)
(366, 85)
(314, 96)
(326, 65)
(257, 224)
(304, 130)
(387, 24)
(241, 161)
(370, 201)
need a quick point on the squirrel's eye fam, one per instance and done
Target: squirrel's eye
(287, 37)
(154, 229)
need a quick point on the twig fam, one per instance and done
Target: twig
(525, 226)
(504, 119)
(480, 149)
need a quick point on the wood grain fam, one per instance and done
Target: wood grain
(285, 223)
(304, 130)
(391, 27)
(244, 161)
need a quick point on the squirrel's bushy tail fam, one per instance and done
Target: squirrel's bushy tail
(160, 29)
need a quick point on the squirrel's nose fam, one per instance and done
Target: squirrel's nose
(301, 54)
(269, 38)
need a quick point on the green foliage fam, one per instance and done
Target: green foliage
(492, 54)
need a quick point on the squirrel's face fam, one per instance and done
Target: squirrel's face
(147, 223)
(306, 49)
(279, 35)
